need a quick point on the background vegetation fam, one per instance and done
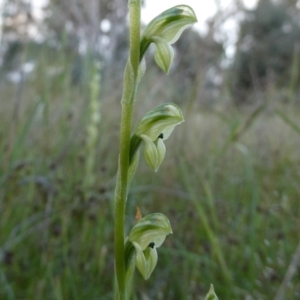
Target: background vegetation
(230, 180)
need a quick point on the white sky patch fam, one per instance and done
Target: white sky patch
(38, 6)
(105, 25)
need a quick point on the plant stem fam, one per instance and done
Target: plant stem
(121, 191)
(121, 196)
(135, 25)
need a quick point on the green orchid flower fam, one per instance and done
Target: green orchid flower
(146, 236)
(164, 30)
(155, 127)
(211, 295)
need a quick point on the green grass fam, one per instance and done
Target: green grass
(229, 185)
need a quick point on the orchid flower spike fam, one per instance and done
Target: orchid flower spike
(155, 127)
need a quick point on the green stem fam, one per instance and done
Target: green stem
(121, 191)
(135, 29)
(121, 197)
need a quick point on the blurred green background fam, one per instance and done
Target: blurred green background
(230, 180)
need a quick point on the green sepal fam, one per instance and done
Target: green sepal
(211, 295)
(154, 152)
(164, 54)
(150, 153)
(161, 119)
(151, 229)
(161, 151)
